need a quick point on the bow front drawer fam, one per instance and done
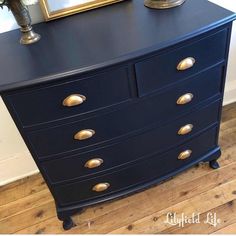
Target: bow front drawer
(155, 140)
(165, 106)
(72, 98)
(141, 172)
(165, 69)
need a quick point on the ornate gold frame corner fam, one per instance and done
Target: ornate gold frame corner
(72, 10)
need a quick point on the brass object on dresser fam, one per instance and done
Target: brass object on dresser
(101, 187)
(185, 129)
(93, 163)
(74, 100)
(84, 134)
(163, 4)
(23, 19)
(186, 64)
(185, 99)
(185, 155)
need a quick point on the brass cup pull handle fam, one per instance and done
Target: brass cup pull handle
(74, 100)
(93, 163)
(185, 129)
(185, 99)
(101, 187)
(186, 64)
(185, 155)
(84, 134)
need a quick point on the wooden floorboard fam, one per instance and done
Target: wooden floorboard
(27, 207)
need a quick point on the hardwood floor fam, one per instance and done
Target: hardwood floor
(27, 207)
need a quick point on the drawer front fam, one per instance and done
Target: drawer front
(72, 98)
(161, 70)
(141, 172)
(138, 115)
(154, 141)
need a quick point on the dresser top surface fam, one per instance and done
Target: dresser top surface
(101, 38)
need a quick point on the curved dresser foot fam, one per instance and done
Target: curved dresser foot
(68, 224)
(214, 164)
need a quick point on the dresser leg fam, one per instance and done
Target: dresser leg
(214, 164)
(65, 217)
(68, 224)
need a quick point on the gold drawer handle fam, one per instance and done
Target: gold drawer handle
(185, 155)
(185, 99)
(74, 100)
(101, 187)
(185, 129)
(186, 64)
(94, 163)
(84, 134)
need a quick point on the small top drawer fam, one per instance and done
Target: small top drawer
(34, 106)
(161, 70)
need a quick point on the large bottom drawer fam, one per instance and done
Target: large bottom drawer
(144, 171)
(156, 140)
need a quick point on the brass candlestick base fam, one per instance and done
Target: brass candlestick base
(23, 19)
(163, 4)
(28, 35)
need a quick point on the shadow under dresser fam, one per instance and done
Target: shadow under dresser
(117, 99)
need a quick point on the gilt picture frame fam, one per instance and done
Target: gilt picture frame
(56, 9)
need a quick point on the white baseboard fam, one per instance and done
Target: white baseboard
(17, 167)
(230, 92)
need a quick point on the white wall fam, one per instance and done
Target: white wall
(230, 89)
(15, 160)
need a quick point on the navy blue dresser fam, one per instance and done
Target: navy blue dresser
(117, 99)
